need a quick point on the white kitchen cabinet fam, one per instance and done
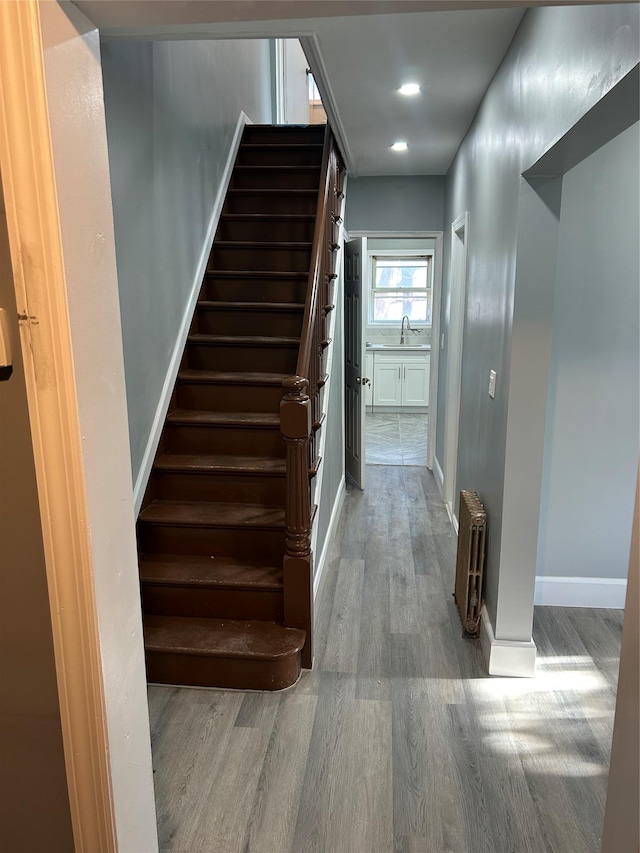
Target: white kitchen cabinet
(401, 379)
(387, 382)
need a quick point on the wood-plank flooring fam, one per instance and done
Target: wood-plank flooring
(396, 742)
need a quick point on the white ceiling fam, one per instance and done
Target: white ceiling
(360, 59)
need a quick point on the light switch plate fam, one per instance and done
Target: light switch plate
(492, 384)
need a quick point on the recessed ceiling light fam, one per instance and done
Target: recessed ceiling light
(399, 146)
(409, 89)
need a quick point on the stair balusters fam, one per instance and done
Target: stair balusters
(301, 410)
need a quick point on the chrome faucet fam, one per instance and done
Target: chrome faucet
(409, 329)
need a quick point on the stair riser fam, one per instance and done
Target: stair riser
(277, 135)
(245, 542)
(255, 290)
(241, 358)
(303, 156)
(264, 259)
(230, 673)
(275, 179)
(245, 441)
(229, 398)
(286, 324)
(274, 230)
(209, 603)
(270, 203)
(232, 488)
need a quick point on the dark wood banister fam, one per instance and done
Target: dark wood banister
(311, 304)
(300, 417)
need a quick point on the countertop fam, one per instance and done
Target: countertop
(399, 348)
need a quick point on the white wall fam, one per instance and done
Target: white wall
(592, 430)
(172, 109)
(562, 61)
(396, 203)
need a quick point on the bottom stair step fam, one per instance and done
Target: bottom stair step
(224, 653)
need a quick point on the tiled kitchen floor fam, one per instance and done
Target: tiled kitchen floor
(396, 438)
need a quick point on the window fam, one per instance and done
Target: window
(400, 285)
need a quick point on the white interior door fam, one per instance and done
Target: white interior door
(457, 302)
(354, 277)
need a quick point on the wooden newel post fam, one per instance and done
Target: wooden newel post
(295, 425)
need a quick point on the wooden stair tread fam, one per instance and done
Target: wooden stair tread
(259, 274)
(271, 191)
(268, 217)
(262, 244)
(197, 417)
(220, 462)
(242, 340)
(184, 570)
(252, 146)
(252, 167)
(217, 305)
(227, 378)
(220, 514)
(230, 638)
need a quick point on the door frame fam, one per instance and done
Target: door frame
(456, 310)
(34, 228)
(438, 236)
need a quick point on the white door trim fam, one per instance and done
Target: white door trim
(456, 303)
(34, 226)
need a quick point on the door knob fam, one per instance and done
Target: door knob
(362, 380)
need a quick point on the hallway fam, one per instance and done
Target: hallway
(396, 742)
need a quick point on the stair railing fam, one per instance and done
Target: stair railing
(301, 414)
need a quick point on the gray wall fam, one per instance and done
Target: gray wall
(172, 109)
(591, 443)
(561, 62)
(34, 803)
(396, 203)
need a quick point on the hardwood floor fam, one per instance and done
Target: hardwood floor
(397, 741)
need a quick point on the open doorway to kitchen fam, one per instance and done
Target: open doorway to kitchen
(398, 290)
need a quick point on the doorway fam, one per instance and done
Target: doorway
(400, 285)
(455, 310)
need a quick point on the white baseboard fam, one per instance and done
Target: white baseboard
(581, 592)
(167, 389)
(516, 658)
(331, 532)
(439, 476)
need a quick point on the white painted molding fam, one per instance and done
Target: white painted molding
(581, 592)
(513, 658)
(331, 532)
(311, 47)
(439, 476)
(144, 472)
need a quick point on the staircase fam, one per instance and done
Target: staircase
(224, 530)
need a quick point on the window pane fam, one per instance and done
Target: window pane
(392, 272)
(392, 308)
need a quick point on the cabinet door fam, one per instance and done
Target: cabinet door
(368, 370)
(415, 384)
(387, 383)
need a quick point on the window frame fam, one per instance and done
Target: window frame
(372, 255)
